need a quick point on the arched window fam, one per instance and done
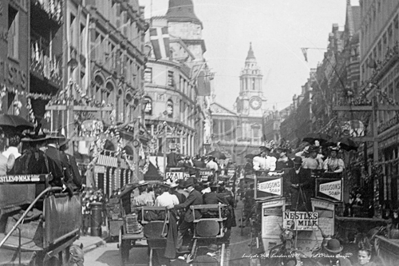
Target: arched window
(147, 105)
(128, 100)
(110, 92)
(98, 88)
(119, 107)
(169, 108)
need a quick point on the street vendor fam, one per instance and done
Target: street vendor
(264, 162)
(333, 164)
(194, 198)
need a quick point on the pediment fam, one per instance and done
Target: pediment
(218, 109)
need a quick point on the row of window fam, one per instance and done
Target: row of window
(183, 86)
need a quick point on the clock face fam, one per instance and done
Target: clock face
(255, 102)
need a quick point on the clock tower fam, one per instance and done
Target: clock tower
(251, 102)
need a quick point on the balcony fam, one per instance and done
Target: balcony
(44, 65)
(46, 14)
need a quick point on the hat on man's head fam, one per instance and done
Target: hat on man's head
(189, 182)
(333, 246)
(56, 137)
(297, 160)
(34, 138)
(142, 183)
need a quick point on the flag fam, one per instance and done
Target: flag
(305, 53)
(160, 42)
(195, 70)
(204, 84)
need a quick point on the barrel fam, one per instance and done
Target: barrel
(96, 219)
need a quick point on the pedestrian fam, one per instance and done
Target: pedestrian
(75, 178)
(166, 199)
(364, 255)
(194, 198)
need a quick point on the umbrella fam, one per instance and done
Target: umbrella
(217, 154)
(344, 143)
(15, 122)
(312, 137)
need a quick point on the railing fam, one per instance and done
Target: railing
(49, 189)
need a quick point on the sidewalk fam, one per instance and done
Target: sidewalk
(92, 242)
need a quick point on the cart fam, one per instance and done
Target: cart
(43, 233)
(142, 227)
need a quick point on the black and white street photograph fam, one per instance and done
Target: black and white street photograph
(199, 132)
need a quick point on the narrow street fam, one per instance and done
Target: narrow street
(237, 253)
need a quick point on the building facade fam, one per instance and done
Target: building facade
(379, 50)
(14, 57)
(177, 83)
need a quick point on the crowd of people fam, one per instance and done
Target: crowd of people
(40, 154)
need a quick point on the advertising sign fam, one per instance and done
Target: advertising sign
(272, 186)
(204, 174)
(306, 221)
(173, 176)
(329, 188)
(272, 218)
(268, 187)
(22, 178)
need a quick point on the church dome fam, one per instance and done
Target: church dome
(182, 11)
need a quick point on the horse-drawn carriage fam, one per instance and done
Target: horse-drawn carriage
(38, 223)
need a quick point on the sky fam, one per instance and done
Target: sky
(277, 29)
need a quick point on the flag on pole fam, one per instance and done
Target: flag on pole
(371, 63)
(204, 84)
(160, 42)
(305, 53)
(196, 69)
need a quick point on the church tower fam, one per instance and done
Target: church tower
(251, 101)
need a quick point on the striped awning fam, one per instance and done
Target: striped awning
(107, 161)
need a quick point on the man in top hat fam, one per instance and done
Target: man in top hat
(333, 164)
(331, 254)
(264, 162)
(194, 198)
(301, 186)
(313, 162)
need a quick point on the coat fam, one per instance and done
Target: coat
(194, 198)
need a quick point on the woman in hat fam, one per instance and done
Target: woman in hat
(333, 164)
(6, 163)
(283, 160)
(313, 162)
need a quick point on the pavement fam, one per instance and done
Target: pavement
(92, 242)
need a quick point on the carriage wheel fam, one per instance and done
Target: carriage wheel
(124, 247)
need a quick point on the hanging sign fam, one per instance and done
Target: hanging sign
(306, 221)
(204, 174)
(22, 178)
(330, 188)
(173, 176)
(272, 186)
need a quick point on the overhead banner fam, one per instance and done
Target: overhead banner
(329, 188)
(305, 221)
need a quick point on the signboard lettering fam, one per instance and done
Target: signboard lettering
(174, 175)
(273, 203)
(332, 189)
(204, 174)
(19, 178)
(307, 221)
(272, 186)
(321, 204)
